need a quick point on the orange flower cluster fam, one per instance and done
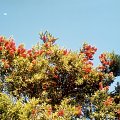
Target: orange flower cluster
(66, 52)
(60, 113)
(89, 51)
(104, 60)
(22, 51)
(88, 67)
(108, 102)
(8, 45)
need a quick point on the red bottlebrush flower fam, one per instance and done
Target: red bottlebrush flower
(87, 69)
(10, 45)
(60, 113)
(90, 56)
(7, 47)
(29, 52)
(87, 47)
(11, 52)
(100, 85)
(24, 55)
(102, 56)
(1, 48)
(21, 49)
(106, 62)
(36, 54)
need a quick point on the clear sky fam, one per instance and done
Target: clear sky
(96, 22)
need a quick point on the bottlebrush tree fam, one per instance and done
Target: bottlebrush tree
(48, 82)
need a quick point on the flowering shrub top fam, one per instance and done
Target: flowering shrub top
(58, 79)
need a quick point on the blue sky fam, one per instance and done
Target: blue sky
(96, 22)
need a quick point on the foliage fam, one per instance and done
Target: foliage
(48, 82)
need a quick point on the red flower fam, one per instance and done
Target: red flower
(29, 52)
(100, 85)
(21, 49)
(24, 55)
(41, 51)
(1, 48)
(87, 69)
(87, 47)
(65, 52)
(1, 39)
(89, 51)
(108, 102)
(10, 45)
(36, 54)
(11, 52)
(60, 113)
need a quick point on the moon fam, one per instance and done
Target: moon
(4, 14)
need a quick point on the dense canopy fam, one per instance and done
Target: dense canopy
(48, 82)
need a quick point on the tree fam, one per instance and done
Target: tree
(49, 82)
